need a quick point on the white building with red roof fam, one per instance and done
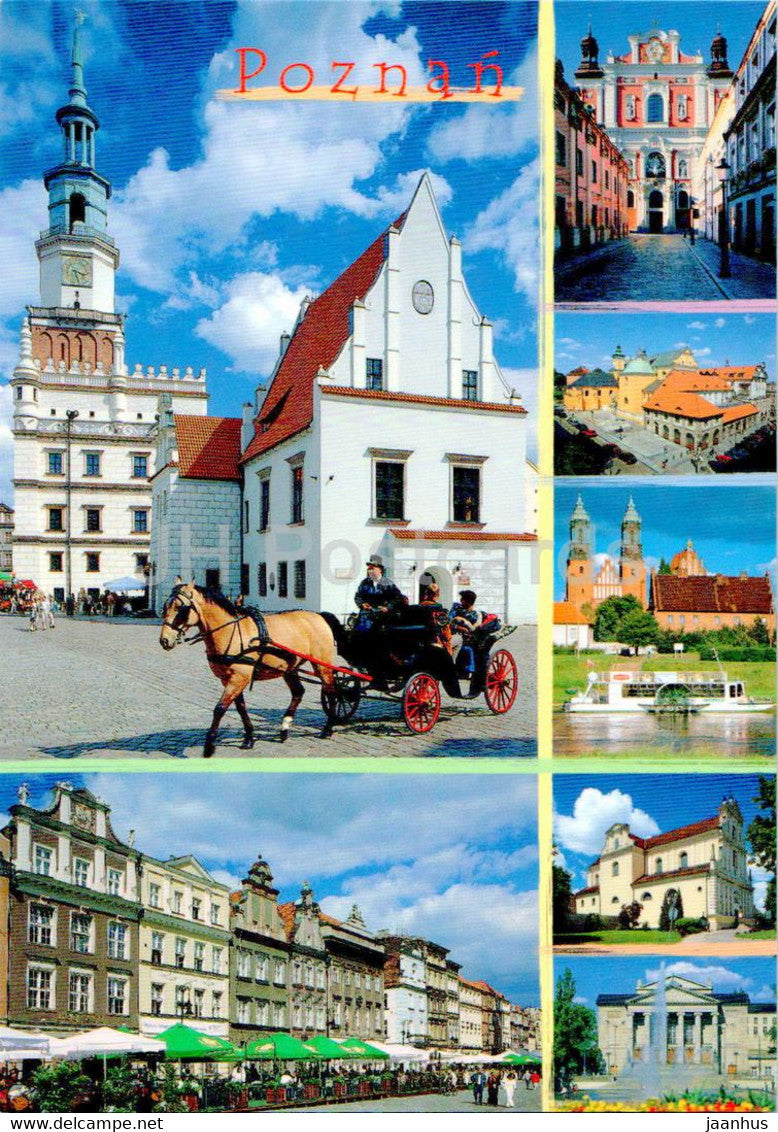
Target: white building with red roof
(388, 428)
(701, 869)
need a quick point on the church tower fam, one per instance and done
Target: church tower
(580, 589)
(632, 568)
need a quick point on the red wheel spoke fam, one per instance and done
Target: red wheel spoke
(502, 682)
(421, 703)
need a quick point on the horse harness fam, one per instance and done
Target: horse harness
(259, 644)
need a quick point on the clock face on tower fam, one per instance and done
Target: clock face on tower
(77, 271)
(423, 297)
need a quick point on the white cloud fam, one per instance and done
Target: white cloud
(720, 322)
(703, 352)
(24, 208)
(6, 445)
(760, 877)
(571, 343)
(720, 978)
(593, 814)
(248, 325)
(509, 226)
(749, 319)
(489, 132)
(696, 325)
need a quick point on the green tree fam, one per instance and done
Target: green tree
(761, 835)
(57, 1087)
(664, 566)
(562, 895)
(560, 384)
(611, 613)
(575, 1032)
(630, 915)
(759, 632)
(638, 628)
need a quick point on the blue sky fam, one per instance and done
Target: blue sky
(619, 975)
(613, 23)
(226, 215)
(731, 524)
(715, 339)
(586, 806)
(394, 844)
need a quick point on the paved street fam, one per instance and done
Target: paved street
(665, 268)
(527, 1100)
(94, 688)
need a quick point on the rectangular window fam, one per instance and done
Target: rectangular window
(246, 526)
(466, 494)
(177, 901)
(389, 490)
(215, 913)
(80, 928)
(261, 968)
(141, 563)
(264, 504)
(579, 166)
(561, 149)
(299, 578)
(470, 384)
(40, 925)
(216, 1004)
(199, 1000)
(374, 373)
(78, 993)
(157, 941)
(56, 518)
(157, 991)
(91, 463)
(39, 986)
(283, 579)
(244, 1010)
(279, 1015)
(92, 519)
(81, 872)
(594, 172)
(43, 859)
(216, 960)
(140, 522)
(199, 956)
(56, 464)
(298, 476)
(117, 995)
(244, 964)
(262, 579)
(196, 906)
(279, 978)
(154, 895)
(92, 562)
(117, 940)
(140, 467)
(55, 562)
(180, 952)
(114, 882)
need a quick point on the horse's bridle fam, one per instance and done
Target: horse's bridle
(180, 622)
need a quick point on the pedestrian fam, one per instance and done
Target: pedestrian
(493, 1089)
(33, 614)
(70, 606)
(47, 617)
(509, 1089)
(478, 1080)
(527, 1079)
(534, 1078)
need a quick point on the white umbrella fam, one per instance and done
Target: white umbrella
(104, 1042)
(11, 1039)
(399, 1052)
(126, 585)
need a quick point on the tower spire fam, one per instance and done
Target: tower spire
(77, 89)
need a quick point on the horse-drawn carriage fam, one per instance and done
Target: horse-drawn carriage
(403, 657)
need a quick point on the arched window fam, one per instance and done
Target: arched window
(655, 108)
(655, 165)
(683, 199)
(684, 861)
(658, 867)
(630, 198)
(683, 168)
(615, 868)
(646, 896)
(615, 900)
(77, 209)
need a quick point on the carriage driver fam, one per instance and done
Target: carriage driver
(376, 593)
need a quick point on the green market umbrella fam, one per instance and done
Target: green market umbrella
(362, 1049)
(182, 1043)
(521, 1059)
(326, 1047)
(281, 1047)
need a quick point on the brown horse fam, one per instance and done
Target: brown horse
(233, 647)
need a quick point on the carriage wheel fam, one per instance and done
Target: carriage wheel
(421, 703)
(340, 704)
(502, 682)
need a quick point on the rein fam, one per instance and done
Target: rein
(261, 647)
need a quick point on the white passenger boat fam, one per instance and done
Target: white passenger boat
(621, 690)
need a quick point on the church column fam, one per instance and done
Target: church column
(71, 141)
(697, 1037)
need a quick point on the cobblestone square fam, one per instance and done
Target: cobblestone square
(94, 688)
(525, 1100)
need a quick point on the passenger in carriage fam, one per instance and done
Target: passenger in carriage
(431, 596)
(464, 618)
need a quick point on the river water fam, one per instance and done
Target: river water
(690, 736)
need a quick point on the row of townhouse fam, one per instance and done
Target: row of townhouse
(95, 932)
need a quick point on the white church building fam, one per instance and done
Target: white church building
(387, 428)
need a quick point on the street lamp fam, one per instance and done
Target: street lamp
(723, 169)
(70, 416)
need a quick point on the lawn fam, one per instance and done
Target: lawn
(570, 671)
(617, 936)
(769, 934)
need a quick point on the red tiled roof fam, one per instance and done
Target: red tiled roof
(711, 594)
(566, 613)
(736, 412)
(585, 891)
(684, 831)
(455, 535)
(419, 399)
(690, 405)
(673, 873)
(317, 341)
(286, 912)
(733, 373)
(694, 381)
(208, 447)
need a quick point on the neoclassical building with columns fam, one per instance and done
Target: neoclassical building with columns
(683, 1022)
(701, 869)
